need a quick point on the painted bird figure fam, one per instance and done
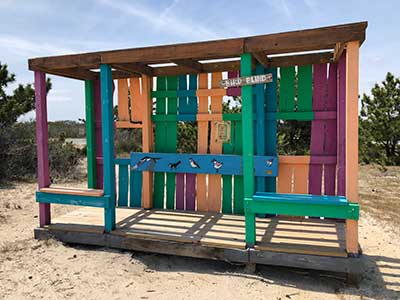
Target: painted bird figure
(144, 160)
(269, 162)
(174, 165)
(193, 164)
(217, 164)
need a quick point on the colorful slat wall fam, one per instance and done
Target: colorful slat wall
(323, 131)
(294, 105)
(165, 138)
(187, 108)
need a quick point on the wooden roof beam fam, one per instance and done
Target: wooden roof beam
(261, 57)
(190, 64)
(339, 48)
(134, 68)
(287, 42)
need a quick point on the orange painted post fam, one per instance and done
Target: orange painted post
(137, 105)
(123, 105)
(214, 181)
(202, 143)
(352, 61)
(147, 139)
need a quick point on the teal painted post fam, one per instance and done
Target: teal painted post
(90, 134)
(260, 123)
(108, 144)
(271, 124)
(247, 127)
(248, 147)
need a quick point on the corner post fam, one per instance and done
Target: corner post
(108, 144)
(42, 138)
(248, 147)
(90, 133)
(352, 65)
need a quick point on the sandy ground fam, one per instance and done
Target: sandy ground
(31, 269)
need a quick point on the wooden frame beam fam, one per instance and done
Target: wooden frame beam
(339, 48)
(287, 42)
(190, 64)
(261, 57)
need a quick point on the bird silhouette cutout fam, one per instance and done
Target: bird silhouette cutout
(269, 162)
(193, 164)
(145, 159)
(174, 165)
(217, 165)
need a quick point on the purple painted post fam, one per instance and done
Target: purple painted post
(180, 191)
(341, 125)
(42, 138)
(233, 91)
(317, 128)
(190, 191)
(98, 134)
(330, 142)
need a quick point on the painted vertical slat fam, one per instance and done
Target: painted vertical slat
(341, 125)
(180, 191)
(147, 140)
(90, 134)
(190, 184)
(259, 90)
(180, 177)
(300, 175)
(159, 145)
(108, 144)
(42, 138)
(233, 91)
(214, 181)
(137, 106)
(227, 203)
(202, 144)
(123, 105)
(238, 182)
(247, 127)
(123, 185)
(135, 184)
(271, 125)
(304, 88)
(330, 140)
(98, 134)
(352, 65)
(171, 139)
(285, 174)
(317, 128)
(286, 90)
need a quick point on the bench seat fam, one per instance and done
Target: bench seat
(73, 191)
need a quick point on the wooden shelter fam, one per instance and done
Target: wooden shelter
(205, 204)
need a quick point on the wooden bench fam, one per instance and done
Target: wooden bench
(73, 196)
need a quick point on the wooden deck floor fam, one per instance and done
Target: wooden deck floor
(314, 237)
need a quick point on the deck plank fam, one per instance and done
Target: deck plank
(316, 237)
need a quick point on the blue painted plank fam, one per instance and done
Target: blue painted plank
(201, 163)
(73, 199)
(108, 144)
(135, 189)
(123, 185)
(306, 198)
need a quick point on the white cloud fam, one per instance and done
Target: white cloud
(282, 7)
(162, 21)
(26, 47)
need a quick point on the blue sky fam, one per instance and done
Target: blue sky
(43, 28)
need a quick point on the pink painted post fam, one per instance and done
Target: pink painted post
(190, 192)
(233, 91)
(317, 128)
(180, 191)
(341, 125)
(98, 135)
(330, 142)
(42, 137)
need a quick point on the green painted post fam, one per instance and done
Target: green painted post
(90, 134)
(247, 127)
(108, 145)
(248, 147)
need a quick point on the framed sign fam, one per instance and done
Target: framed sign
(247, 80)
(222, 132)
